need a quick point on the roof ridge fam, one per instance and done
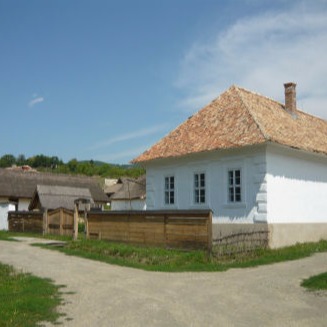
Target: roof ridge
(238, 89)
(258, 94)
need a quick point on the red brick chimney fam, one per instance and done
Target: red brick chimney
(290, 97)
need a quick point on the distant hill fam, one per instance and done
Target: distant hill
(73, 166)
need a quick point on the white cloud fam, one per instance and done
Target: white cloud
(125, 156)
(261, 53)
(130, 136)
(35, 101)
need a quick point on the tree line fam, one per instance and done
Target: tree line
(88, 167)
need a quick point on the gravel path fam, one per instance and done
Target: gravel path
(107, 295)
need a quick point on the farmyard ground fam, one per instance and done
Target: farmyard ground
(107, 295)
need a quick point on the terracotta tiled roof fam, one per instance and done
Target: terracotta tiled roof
(240, 118)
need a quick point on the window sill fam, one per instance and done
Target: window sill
(170, 207)
(241, 205)
(200, 205)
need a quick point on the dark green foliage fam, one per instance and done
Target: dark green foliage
(25, 299)
(7, 160)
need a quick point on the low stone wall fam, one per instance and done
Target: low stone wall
(279, 235)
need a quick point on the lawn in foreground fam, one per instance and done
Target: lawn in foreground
(25, 299)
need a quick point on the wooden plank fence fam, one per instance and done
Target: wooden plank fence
(25, 221)
(56, 222)
(173, 229)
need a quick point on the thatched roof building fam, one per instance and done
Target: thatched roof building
(53, 197)
(129, 189)
(16, 185)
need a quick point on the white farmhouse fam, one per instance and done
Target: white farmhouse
(256, 163)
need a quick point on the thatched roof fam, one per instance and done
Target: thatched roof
(130, 189)
(20, 184)
(54, 196)
(239, 118)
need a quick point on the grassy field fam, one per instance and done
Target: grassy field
(318, 282)
(26, 300)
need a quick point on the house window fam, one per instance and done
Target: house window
(170, 190)
(234, 186)
(199, 188)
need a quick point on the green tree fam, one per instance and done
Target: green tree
(72, 165)
(7, 160)
(21, 160)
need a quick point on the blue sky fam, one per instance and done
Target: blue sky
(104, 80)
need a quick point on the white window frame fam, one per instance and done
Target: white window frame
(234, 186)
(169, 190)
(199, 188)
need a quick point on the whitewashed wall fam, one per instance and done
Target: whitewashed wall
(128, 205)
(297, 186)
(4, 208)
(215, 165)
(23, 204)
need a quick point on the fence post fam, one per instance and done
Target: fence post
(87, 234)
(165, 229)
(61, 218)
(45, 222)
(75, 222)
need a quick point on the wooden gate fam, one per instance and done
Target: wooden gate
(60, 222)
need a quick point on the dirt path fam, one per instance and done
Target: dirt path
(107, 295)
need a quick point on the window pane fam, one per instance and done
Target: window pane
(196, 196)
(237, 177)
(172, 197)
(231, 194)
(196, 180)
(202, 196)
(166, 197)
(166, 183)
(230, 178)
(202, 180)
(172, 182)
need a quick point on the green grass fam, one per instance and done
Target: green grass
(159, 259)
(318, 282)
(26, 300)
